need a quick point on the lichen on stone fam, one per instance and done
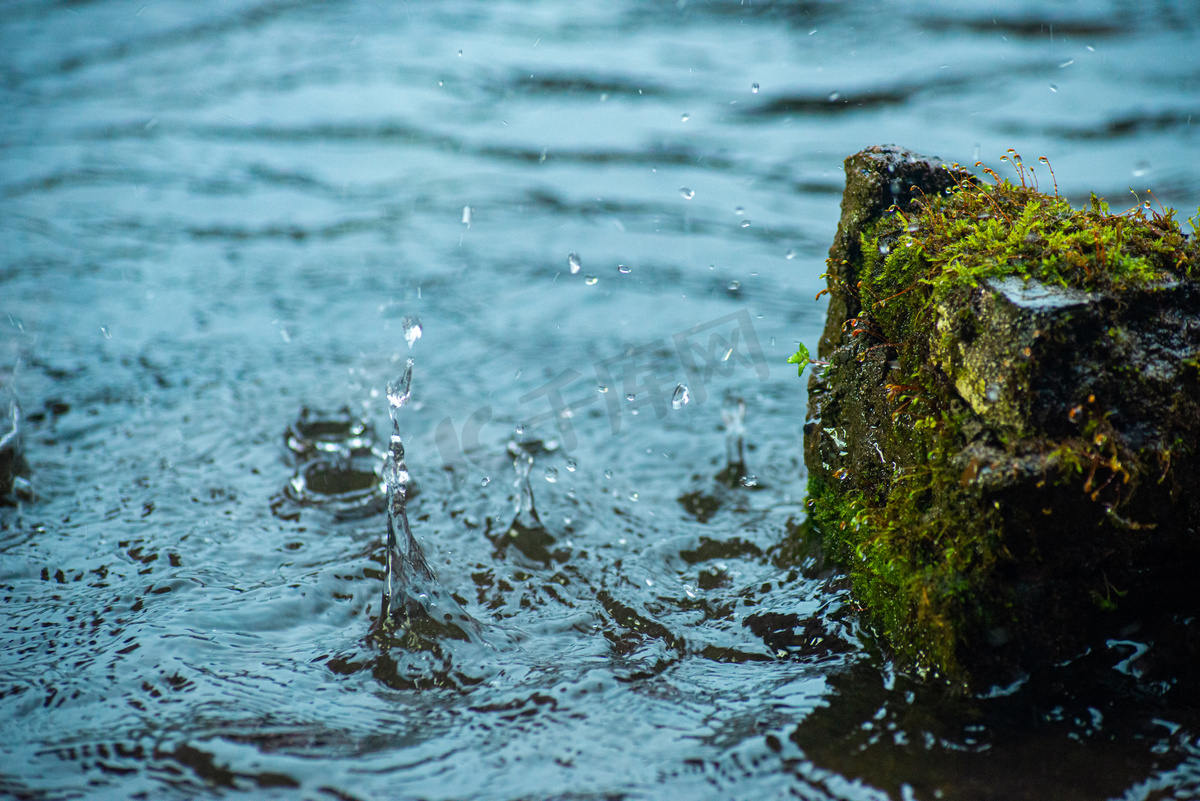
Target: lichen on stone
(1003, 445)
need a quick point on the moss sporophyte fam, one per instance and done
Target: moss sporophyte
(1008, 407)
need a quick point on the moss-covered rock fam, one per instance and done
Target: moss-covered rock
(1004, 442)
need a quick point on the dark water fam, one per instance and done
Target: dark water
(213, 215)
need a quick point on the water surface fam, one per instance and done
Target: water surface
(213, 215)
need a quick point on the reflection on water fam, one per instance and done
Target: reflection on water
(598, 221)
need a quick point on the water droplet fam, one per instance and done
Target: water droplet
(649, 582)
(551, 474)
(104, 330)
(682, 396)
(993, 393)
(574, 263)
(571, 466)
(520, 429)
(608, 474)
(754, 88)
(913, 226)
(749, 481)
(460, 54)
(486, 480)
(739, 211)
(633, 496)
(590, 280)
(1141, 169)
(884, 249)
(1091, 49)
(685, 118)
(734, 285)
(686, 193)
(1053, 88)
(622, 269)
(791, 254)
(834, 96)
(1066, 64)
(745, 223)
(412, 328)
(601, 389)
(398, 391)
(631, 397)
(466, 216)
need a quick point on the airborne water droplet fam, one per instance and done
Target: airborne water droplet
(913, 227)
(754, 88)
(791, 254)
(466, 216)
(681, 396)
(1053, 88)
(686, 193)
(486, 480)
(574, 263)
(834, 96)
(884, 249)
(591, 280)
(745, 223)
(739, 211)
(551, 474)
(412, 328)
(398, 390)
(734, 285)
(621, 268)
(685, 118)
(571, 466)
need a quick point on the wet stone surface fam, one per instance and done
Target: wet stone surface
(1007, 466)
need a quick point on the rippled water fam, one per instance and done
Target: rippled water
(215, 215)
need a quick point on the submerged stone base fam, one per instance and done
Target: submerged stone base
(1003, 446)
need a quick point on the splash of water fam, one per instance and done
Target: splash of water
(526, 532)
(733, 415)
(14, 470)
(414, 602)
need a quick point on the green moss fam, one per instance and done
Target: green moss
(928, 554)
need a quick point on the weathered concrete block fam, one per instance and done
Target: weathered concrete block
(1005, 444)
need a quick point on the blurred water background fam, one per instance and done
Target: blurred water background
(214, 215)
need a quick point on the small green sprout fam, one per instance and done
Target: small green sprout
(800, 357)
